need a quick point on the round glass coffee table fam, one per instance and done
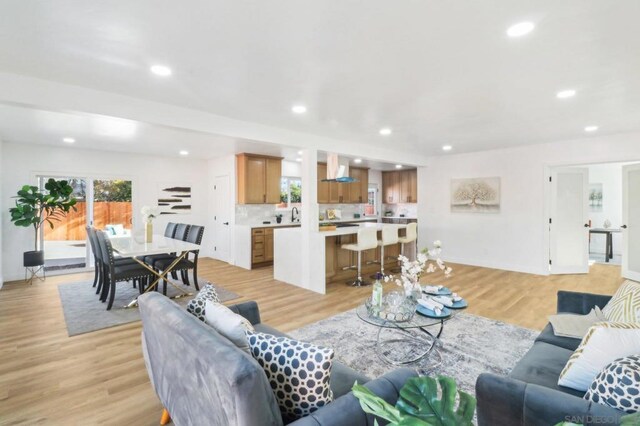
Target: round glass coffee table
(405, 342)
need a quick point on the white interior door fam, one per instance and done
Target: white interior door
(569, 228)
(631, 222)
(223, 210)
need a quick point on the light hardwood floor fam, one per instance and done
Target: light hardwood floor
(99, 378)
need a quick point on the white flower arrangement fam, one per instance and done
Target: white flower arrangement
(413, 270)
(149, 213)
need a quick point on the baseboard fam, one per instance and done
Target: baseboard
(526, 269)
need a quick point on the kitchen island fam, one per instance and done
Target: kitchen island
(331, 258)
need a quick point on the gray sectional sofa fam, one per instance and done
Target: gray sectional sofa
(530, 395)
(202, 378)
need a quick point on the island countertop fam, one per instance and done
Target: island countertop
(349, 230)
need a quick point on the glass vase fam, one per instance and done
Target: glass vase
(148, 231)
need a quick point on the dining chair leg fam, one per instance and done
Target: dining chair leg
(185, 277)
(112, 294)
(164, 287)
(165, 418)
(95, 275)
(100, 278)
(174, 275)
(105, 286)
(195, 276)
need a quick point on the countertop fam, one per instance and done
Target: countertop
(297, 224)
(399, 217)
(351, 229)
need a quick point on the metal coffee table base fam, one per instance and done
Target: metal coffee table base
(406, 346)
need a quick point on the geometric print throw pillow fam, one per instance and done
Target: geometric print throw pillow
(299, 373)
(618, 385)
(196, 305)
(624, 306)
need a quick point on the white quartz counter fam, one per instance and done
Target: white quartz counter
(297, 224)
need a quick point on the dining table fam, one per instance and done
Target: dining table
(137, 248)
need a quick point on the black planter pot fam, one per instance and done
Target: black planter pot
(33, 258)
(278, 219)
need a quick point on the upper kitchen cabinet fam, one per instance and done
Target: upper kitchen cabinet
(400, 186)
(343, 193)
(358, 190)
(258, 179)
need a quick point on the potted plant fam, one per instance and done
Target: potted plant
(35, 207)
(279, 218)
(419, 404)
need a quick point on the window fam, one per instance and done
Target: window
(372, 202)
(290, 192)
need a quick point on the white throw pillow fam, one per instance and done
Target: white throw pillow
(624, 306)
(604, 343)
(229, 324)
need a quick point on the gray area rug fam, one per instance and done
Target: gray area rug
(470, 345)
(83, 311)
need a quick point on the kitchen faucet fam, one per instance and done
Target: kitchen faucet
(293, 216)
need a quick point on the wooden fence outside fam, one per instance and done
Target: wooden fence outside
(72, 227)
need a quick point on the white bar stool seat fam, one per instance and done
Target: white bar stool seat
(367, 240)
(389, 237)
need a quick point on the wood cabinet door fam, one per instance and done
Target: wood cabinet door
(364, 186)
(405, 186)
(413, 177)
(354, 187)
(254, 183)
(273, 175)
(268, 245)
(390, 189)
(335, 192)
(323, 187)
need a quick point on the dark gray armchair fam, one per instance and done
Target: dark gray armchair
(530, 395)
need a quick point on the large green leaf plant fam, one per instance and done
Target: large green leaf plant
(419, 403)
(35, 207)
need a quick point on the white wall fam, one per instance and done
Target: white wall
(22, 162)
(610, 176)
(2, 215)
(517, 237)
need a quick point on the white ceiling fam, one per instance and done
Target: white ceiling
(437, 72)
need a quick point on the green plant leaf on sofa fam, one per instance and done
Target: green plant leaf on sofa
(419, 405)
(630, 419)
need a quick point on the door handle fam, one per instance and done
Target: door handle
(624, 227)
(586, 225)
(225, 223)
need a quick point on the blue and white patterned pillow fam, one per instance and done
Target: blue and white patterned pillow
(197, 304)
(618, 385)
(299, 373)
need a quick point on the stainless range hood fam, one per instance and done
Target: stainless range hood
(337, 170)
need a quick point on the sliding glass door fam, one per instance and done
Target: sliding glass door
(105, 204)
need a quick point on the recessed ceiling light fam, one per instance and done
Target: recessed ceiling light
(299, 152)
(447, 148)
(520, 29)
(68, 140)
(564, 94)
(591, 128)
(357, 160)
(398, 166)
(161, 70)
(184, 153)
(299, 109)
(298, 159)
(385, 131)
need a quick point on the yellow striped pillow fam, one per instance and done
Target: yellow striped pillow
(624, 306)
(603, 343)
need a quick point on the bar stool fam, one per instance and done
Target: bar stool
(389, 237)
(367, 240)
(411, 235)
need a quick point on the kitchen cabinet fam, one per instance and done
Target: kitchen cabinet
(258, 179)
(400, 186)
(261, 246)
(359, 190)
(343, 193)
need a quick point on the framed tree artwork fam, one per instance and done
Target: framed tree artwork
(477, 195)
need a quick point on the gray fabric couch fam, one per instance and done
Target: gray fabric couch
(202, 378)
(530, 395)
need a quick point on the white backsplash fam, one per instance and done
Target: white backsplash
(347, 210)
(255, 214)
(408, 210)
